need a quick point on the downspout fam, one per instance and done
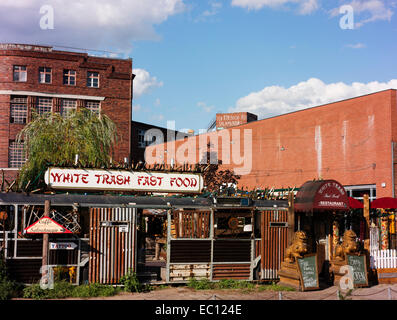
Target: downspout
(392, 168)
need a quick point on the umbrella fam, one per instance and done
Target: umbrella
(355, 204)
(384, 203)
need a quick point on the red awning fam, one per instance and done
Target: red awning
(321, 195)
(384, 203)
(355, 204)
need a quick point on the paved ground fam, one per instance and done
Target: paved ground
(378, 292)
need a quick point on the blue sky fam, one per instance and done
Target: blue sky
(196, 58)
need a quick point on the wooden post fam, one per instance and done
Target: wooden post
(291, 217)
(45, 241)
(367, 223)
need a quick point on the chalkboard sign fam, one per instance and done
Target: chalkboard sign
(359, 265)
(308, 272)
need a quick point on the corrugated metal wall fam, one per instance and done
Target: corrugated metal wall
(275, 242)
(112, 242)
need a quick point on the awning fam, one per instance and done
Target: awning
(384, 203)
(355, 204)
(321, 195)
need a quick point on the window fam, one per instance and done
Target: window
(43, 105)
(16, 155)
(67, 106)
(141, 138)
(19, 109)
(94, 106)
(44, 75)
(20, 73)
(92, 79)
(358, 191)
(69, 77)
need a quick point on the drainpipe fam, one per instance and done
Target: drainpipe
(392, 168)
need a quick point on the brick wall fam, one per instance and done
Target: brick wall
(115, 86)
(349, 141)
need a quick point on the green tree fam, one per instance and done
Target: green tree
(52, 139)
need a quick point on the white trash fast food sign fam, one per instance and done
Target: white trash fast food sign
(122, 180)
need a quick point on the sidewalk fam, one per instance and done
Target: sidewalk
(378, 292)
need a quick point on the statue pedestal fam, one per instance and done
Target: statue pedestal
(335, 266)
(289, 275)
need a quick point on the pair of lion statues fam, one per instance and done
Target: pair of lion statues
(299, 246)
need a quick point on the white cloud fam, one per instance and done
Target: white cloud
(89, 23)
(143, 82)
(366, 11)
(276, 100)
(136, 107)
(304, 6)
(214, 9)
(205, 107)
(356, 46)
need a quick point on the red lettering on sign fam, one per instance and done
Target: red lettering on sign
(56, 176)
(84, 178)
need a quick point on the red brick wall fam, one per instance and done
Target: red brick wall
(355, 138)
(115, 85)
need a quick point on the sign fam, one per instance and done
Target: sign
(359, 265)
(308, 272)
(62, 246)
(12, 46)
(122, 180)
(46, 225)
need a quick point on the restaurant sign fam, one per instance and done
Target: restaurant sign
(46, 225)
(123, 180)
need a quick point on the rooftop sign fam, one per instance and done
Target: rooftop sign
(122, 180)
(26, 47)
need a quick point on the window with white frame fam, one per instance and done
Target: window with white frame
(16, 154)
(68, 106)
(358, 191)
(18, 109)
(94, 106)
(20, 73)
(43, 105)
(45, 75)
(92, 79)
(69, 77)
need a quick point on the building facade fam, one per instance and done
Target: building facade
(352, 141)
(41, 79)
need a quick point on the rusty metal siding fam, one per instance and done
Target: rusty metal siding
(29, 248)
(112, 252)
(276, 242)
(232, 251)
(190, 251)
(24, 270)
(184, 272)
(231, 271)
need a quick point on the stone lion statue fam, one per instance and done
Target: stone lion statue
(298, 247)
(348, 245)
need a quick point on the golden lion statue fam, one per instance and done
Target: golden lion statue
(298, 247)
(348, 245)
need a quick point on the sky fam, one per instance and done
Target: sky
(195, 58)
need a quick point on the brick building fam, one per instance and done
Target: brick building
(46, 80)
(352, 141)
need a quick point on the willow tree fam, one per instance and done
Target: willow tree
(52, 139)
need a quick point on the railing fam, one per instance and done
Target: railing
(382, 259)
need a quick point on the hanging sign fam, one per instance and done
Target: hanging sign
(122, 180)
(46, 225)
(62, 246)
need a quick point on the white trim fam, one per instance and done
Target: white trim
(10, 169)
(51, 95)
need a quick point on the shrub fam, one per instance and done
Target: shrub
(8, 288)
(202, 284)
(131, 283)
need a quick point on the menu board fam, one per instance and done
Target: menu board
(359, 265)
(308, 272)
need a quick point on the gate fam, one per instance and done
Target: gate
(112, 244)
(274, 227)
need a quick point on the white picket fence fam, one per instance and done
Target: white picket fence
(382, 259)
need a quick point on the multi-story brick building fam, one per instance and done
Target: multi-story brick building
(353, 141)
(46, 80)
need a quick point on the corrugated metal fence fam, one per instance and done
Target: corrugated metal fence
(112, 242)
